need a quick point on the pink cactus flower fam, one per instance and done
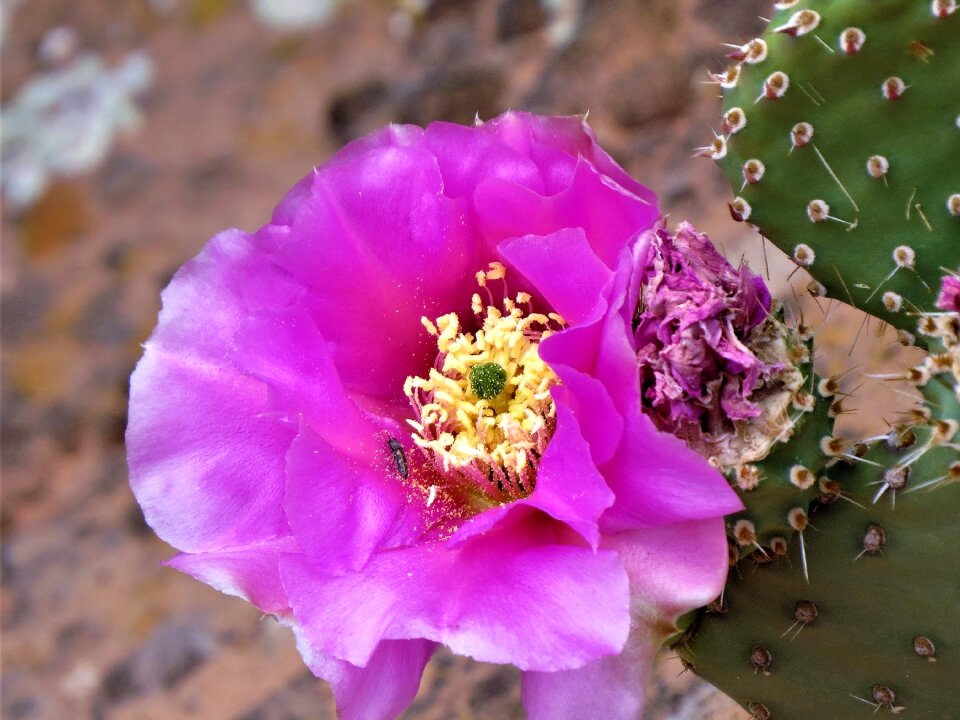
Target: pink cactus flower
(406, 413)
(949, 298)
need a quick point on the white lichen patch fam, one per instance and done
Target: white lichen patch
(293, 15)
(63, 122)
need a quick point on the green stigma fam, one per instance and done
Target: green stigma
(487, 380)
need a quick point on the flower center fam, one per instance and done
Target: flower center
(484, 413)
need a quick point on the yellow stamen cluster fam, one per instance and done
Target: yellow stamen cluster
(494, 444)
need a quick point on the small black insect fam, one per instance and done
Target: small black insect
(399, 457)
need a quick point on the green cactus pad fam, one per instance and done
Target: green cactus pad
(913, 140)
(884, 587)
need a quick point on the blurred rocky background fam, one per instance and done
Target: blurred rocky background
(132, 131)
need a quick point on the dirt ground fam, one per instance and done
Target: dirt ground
(93, 626)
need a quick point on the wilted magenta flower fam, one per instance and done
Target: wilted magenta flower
(949, 298)
(704, 343)
(406, 412)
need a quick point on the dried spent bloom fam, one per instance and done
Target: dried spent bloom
(405, 413)
(714, 362)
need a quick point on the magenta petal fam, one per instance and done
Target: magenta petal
(214, 292)
(536, 137)
(674, 568)
(373, 270)
(616, 364)
(250, 572)
(382, 689)
(340, 509)
(543, 137)
(575, 604)
(205, 465)
(949, 297)
(612, 688)
(569, 487)
(564, 269)
(658, 480)
(609, 216)
(466, 155)
(283, 348)
(600, 422)
(286, 209)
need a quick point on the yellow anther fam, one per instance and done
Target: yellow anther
(493, 441)
(431, 328)
(497, 271)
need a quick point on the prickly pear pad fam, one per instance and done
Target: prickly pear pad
(876, 592)
(861, 151)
